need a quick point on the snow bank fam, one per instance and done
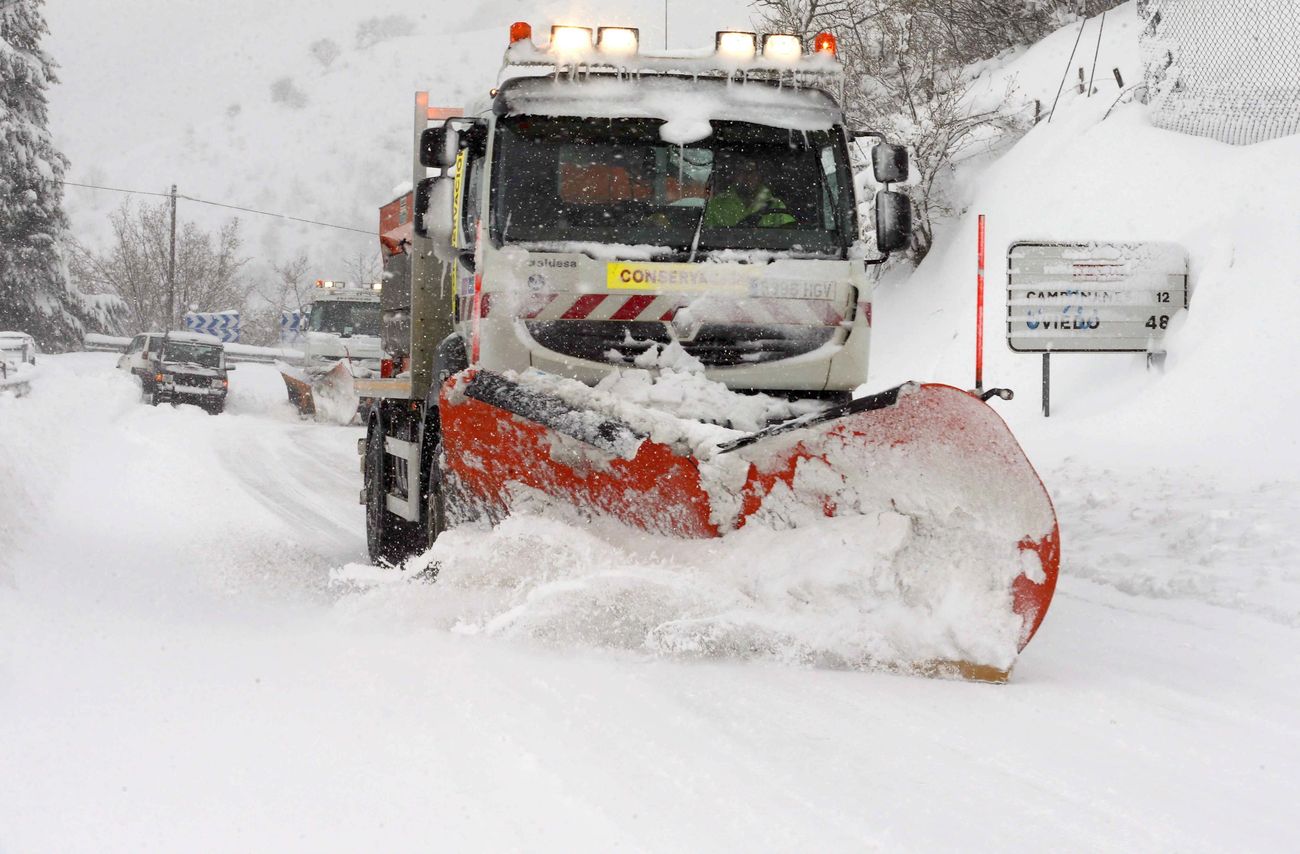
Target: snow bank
(1089, 176)
(825, 596)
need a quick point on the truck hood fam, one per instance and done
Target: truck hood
(330, 346)
(190, 369)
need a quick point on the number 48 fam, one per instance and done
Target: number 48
(1161, 322)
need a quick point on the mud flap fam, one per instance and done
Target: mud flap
(934, 456)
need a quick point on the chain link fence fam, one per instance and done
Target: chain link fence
(1226, 69)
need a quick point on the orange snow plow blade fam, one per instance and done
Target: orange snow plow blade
(976, 546)
(299, 393)
(331, 396)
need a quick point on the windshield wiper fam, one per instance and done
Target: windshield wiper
(699, 223)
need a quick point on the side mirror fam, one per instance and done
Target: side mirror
(438, 219)
(420, 225)
(893, 221)
(439, 146)
(889, 163)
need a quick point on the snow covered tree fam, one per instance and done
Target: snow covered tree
(209, 267)
(905, 62)
(35, 294)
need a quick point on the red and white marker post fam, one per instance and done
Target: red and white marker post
(979, 314)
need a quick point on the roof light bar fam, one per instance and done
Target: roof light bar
(782, 47)
(521, 31)
(570, 40)
(618, 41)
(736, 45)
(825, 43)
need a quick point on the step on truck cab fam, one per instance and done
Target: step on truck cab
(609, 202)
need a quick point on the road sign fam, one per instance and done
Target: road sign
(223, 324)
(1093, 297)
(292, 325)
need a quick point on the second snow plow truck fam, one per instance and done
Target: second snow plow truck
(339, 344)
(636, 284)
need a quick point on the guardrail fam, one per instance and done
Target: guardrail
(236, 353)
(96, 343)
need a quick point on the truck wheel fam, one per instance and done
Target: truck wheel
(389, 539)
(435, 499)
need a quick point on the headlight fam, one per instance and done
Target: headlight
(218, 382)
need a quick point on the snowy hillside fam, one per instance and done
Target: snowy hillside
(1223, 402)
(295, 107)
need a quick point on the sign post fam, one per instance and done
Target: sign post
(979, 314)
(1092, 298)
(1047, 385)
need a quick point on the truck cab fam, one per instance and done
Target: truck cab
(343, 324)
(591, 220)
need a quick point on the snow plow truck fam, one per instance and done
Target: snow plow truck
(340, 343)
(635, 284)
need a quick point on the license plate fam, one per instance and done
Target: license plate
(769, 289)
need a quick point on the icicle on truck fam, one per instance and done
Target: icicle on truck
(613, 211)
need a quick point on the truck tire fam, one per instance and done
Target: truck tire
(389, 539)
(435, 496)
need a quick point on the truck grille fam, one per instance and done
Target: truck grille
(715, 345)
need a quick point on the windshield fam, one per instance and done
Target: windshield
(745, 186)
(203, 355)
(345, 318)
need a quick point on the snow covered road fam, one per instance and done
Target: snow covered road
(176, 672)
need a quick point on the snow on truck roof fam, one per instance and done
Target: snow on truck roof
(686, 105)
(580, 50)
(774, 79)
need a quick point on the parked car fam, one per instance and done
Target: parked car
(138, 356)
(17, 348)
(17, 356)
(179, 367)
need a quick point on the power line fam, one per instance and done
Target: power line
(221, 205)
(114, 189)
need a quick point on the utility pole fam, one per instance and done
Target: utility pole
(171, 269)
(665, 24)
